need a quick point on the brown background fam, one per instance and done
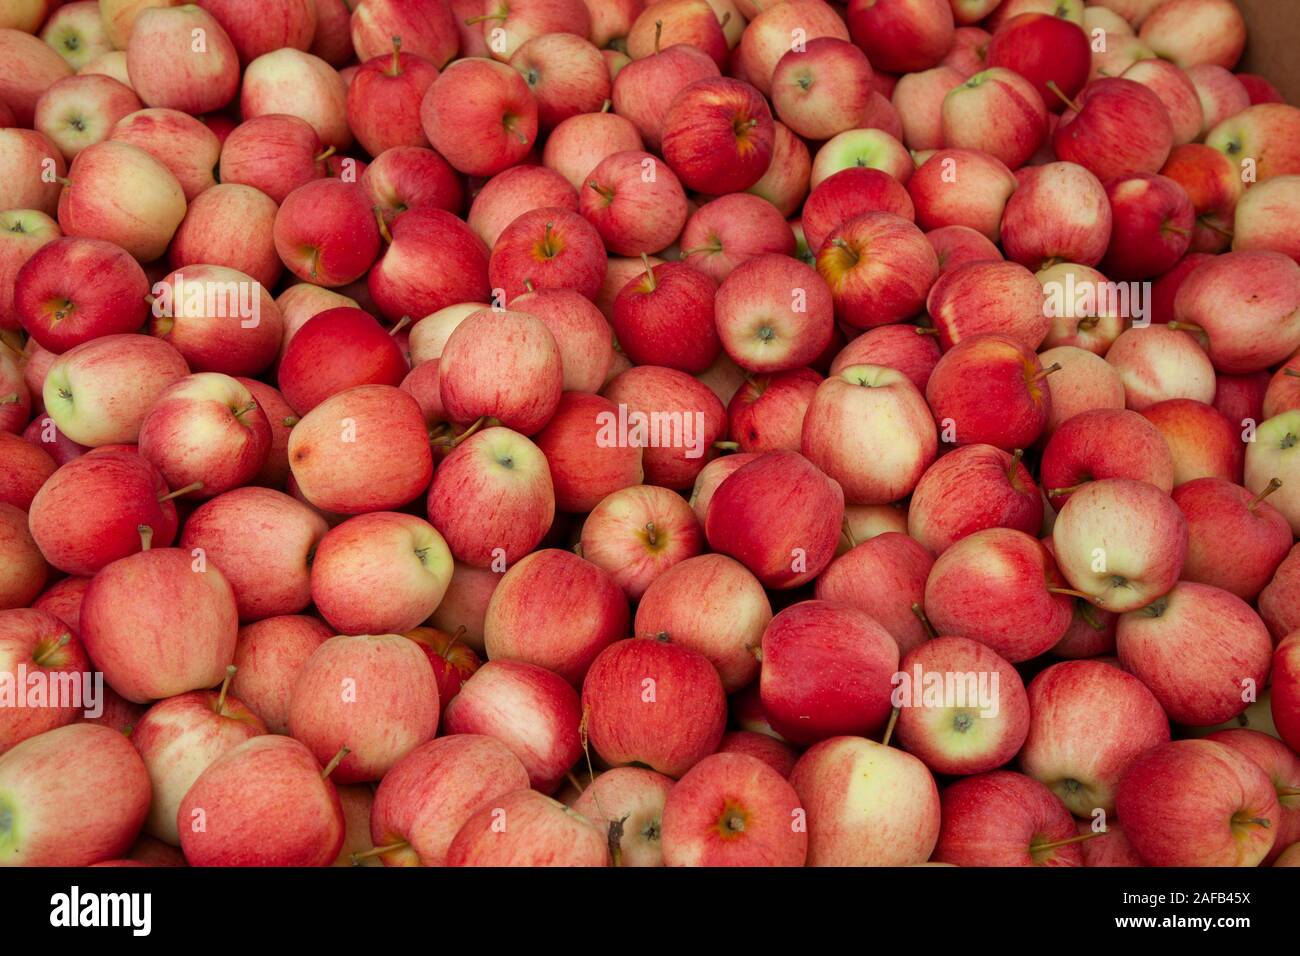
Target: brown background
(1274, 46)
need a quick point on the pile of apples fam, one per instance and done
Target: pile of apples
(329, 332)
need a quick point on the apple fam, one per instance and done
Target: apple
(1221, 94)
(464, 606)
(555, 610)
(60, 311)
(24, 155)
(503, 698)
(903, 347)
(770, 31)
(639, 533)
(1157, 363)
(785, 184)
(325, 232)
(24, 571)
(1115, 127)
(672, 22)
(289, 81)
(384, 99)
(635, 204)
(1153, 223)
(633, 800)
(364, 449)
(23, 232)
(1214, 186)
(433, 790)
(636, 697)
(75, 530)
(158, 625)
(1200, 650)
(782, 553)
(968, 54)
(433, 261)
(566, 74)
(973, 488)
(454, 661)
(27, 466)
(406, 178)
(918, 98)
(902, 36)
(666, 318)
(548, 248)
(274, 154)
(867, 804)
(480, 116)
(540, 832)
(732, 809)
(843, 425)
(496, 476)
(1189, 32)
(519, 189)
(1060, 211)
(584, 469)
(179, 738)
(767, 413)
(1280, 763)
(581, 332)
(335, 350)
(181, 58)
(269, 654)
(109, 63)
(998, 112)
(229, 225)
(1198, 803)
(986, 185)
(74, 796)
(870, 148)
(77, 31)
(119, 193)
(372, 694)
(718, 136)
(1005, 819)
(847, 194)
(1285, 703)
(1265, 216)
(969, 730)
(281, 23)
(427, 28)
(778, 755)
(265, 802)
(1202, 441)
(35, 642)
(821, 89)
(1001, 587)
(648, 400)
(1083, 767)
(1045, 48)
(1277, 605)
(99, 392)
(712, 476)
(731, 230)
(1105, 443)
(983, 297)
(1268, 133)
(1271, 457)
(879, 268)
(79, 111)
(1013, 416)
(1235, 343)
(31, 67)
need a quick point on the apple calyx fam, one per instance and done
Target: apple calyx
(225, 689)
(334, 762)
(1271, 487)
(356, 859)
(1238, 820)
(146, 536)
(43, 655)
(1072, 104)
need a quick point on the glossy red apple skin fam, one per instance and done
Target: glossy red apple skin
(38, 642)
(384, 100)
(481, 116)
(666, 317)
(1010, 407)
(336, 350)
(1285, 702)
(652, 702)
(995, 819)
(583, 471)
(879, 268)
(1104, 443)
(718, 136)
(1123, 128)
(973, 488)
(269, 654)
(1044, 49)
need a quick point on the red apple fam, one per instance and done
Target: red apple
(325, 232)
(335, 350)
(1059, 212)
(973, 488)
(480, 115)
(1105, 443)
(879, 268)
(637, 534)
(718, 136)
(1005, 819)
(1115, 127)
(584, 469)
(1008, 415)
(384, 99)
(998, 112)
(636, 204)
(181, 58)
(540, 832)
(665, 317)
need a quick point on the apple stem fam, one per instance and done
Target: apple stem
(919, 611)
(356, 858)
(289, 421)
(1013, 470)
(64, 181)
(1225, 233)
(1178, 230)
(10, 399)
(1057, 492)
(1293, 372)
(548, 247)
(615, 838)
(146, 536)
(321, 157)
(225, 688)
(1271, 487)
(192, 486)
(726, 445)
(844, 247)
(455, 638)
(699, 250)
(726, 18)
(847, 531)
(396, 68)
(603, 191)
(1089, 614)
(383, 227)
(1054, 367)
(889, 727)
(1186, 327)
(1069, 592)
(400, 324)
(1081, 838)
(499, 15)
(926, 330)
(573, 779)
(659, 33)
(649, 271)
(467, 432)
(334, 762)
(528, 286)
(1072, 104)
(43, 658)
(606, 106)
